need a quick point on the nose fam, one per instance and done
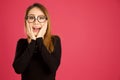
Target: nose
(36, 21)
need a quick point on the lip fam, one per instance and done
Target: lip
(36, 28)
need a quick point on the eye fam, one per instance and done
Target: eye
(30, 17)
(41, 17)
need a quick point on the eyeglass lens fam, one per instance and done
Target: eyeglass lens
(40, 18)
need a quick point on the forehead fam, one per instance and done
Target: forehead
(35, 11)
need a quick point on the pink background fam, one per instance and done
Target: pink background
(89, 31)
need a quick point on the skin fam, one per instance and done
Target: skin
(33, 34)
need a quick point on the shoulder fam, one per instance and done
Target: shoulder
(22, 41)
(56, 39)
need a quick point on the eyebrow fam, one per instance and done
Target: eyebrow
(34, 15)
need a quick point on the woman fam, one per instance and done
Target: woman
(38, 56)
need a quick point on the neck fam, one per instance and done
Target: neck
(29, 40)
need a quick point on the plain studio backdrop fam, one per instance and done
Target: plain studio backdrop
(89, 31)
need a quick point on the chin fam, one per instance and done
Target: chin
(35, 34)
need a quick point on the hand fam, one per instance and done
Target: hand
(30, 31)
(42, 31)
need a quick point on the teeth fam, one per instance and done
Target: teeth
(36, 28)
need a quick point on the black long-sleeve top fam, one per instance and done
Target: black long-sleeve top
(34, 62)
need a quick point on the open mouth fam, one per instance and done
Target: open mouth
(36, 29)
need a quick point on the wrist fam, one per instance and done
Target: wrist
(34, 38)
(39, 36)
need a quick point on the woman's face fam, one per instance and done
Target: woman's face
(36, 19)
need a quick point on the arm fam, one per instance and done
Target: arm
(23, 55)
(51, 59)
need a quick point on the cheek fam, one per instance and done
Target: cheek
(42, 24)
(29, 24)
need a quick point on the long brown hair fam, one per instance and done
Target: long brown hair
(47, 37)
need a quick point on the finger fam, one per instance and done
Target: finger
(44, 26)
(27, 30)
(28, 27)
(31, 30)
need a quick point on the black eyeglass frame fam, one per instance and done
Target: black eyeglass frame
(36, 19)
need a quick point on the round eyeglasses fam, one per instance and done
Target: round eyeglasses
(32, 18)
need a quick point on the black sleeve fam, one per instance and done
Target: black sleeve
(23, 55)
(51, 59)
